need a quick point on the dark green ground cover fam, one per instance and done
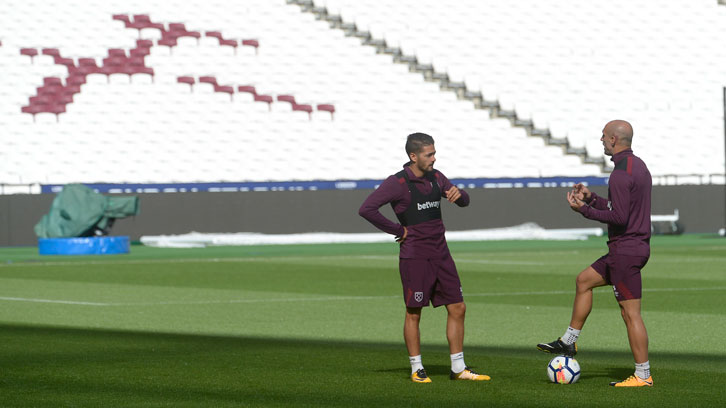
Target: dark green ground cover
(320, 325)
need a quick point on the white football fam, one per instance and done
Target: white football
(563, 370)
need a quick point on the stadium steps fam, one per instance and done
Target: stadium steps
(445, 84)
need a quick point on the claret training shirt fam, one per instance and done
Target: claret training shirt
(627, 208)
(425, 240)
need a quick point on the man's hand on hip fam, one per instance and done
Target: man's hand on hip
(403, 237)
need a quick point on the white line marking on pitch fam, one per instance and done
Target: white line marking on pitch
(282, 259)
(181, 260)
(317, 299)
(498, 262)
(65, 302)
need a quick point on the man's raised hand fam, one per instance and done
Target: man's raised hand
(574, 202)
(453, 194)
(583, 193)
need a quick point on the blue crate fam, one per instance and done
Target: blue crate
(84, 246)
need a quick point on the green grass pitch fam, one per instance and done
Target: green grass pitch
(321, 325)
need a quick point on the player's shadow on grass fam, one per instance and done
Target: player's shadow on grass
(51, 366)
(609, 372)
(405, 371)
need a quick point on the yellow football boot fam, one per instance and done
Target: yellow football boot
(468, 374)
(634, 381)
(420, 376)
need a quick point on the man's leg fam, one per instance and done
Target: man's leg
(586, 280)
(455, 326)
(412, 337)
(637, 335)
(455, 336)
(411, 332)
(638, 338)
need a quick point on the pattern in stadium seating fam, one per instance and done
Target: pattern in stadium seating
(173, 127)
(53, 96)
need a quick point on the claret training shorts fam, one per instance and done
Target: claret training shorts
(430, 280)
(623, 272)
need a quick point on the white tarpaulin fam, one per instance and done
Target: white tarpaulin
(521, 232)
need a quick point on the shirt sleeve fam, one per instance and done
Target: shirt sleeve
(597, 202)
(619, 196)
(445, 185)
(390, 190)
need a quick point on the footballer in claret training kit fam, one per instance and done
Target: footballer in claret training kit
(626, 211)
(428, 273)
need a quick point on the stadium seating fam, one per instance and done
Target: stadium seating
(569, 65)
(259, 90)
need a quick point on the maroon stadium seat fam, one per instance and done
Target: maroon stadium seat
(53, 52)
(68, 62)
(326, 107)
(144, 44)
(286, 98)
(116, 53)
(167, 42)
(85, 66)
(222, 40)
(76, 80)
(52, 81)
(56, 108)
(143, 21)
(50, 90)
(179, 27)
(41, 100)
(225, 89)
(303, 108)
(252, 43)
(71, 89)
(132, 70)
(186, 80)
(247, 88)
(208, 80)
(123, 18)
(32, 109)
(139, 52)
(214, 34)
(63, 98)
(264, 98)
(30, 52)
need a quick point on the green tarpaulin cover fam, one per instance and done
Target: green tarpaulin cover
(77, 209)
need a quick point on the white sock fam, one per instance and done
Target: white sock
(642, 370)
(570, 336)
(415, 363)
(457, 362)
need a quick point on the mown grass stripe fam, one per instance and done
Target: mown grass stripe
(317, 299)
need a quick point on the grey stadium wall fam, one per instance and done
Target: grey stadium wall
(279, 212)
